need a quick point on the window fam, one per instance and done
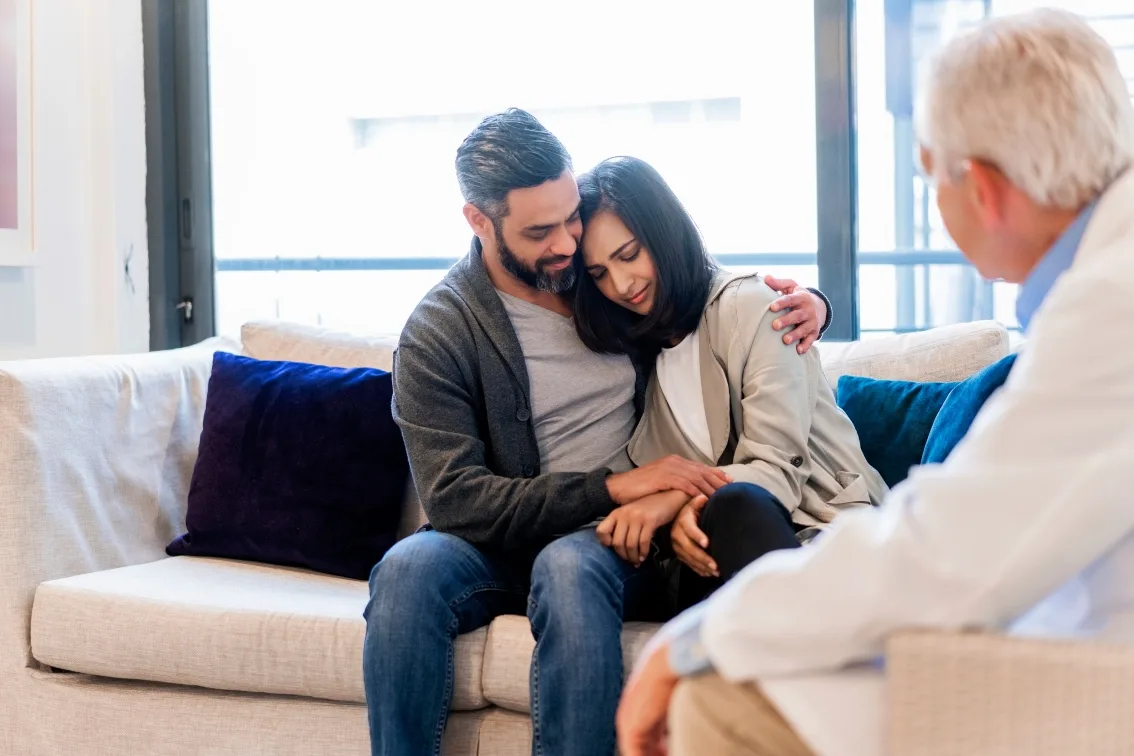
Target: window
(309, 175)
(911, 275)
(333, 136)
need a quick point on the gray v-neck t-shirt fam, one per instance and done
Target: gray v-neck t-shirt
(582, 401)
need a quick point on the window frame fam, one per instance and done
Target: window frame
(179, 193)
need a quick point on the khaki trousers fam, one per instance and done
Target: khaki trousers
(709, 715)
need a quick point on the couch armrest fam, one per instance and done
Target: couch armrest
(96, 455)
(983, 693)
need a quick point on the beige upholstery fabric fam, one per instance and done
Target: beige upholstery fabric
(508, 657)
(413, 516)
(504, 733)
(76, 714)
(270, 340)
(949, 353)
(222, 624)
(971, 693)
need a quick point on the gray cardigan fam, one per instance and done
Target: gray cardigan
(462, 400)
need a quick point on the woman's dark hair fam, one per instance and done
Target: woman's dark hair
(635, 192)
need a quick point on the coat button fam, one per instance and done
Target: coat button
(797, 461)
(528, 471)
(523, 415)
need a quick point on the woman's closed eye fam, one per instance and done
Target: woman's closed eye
(627, 255)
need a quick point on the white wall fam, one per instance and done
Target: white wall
(89, 171)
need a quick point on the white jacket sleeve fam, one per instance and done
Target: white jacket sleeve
(1037, 491)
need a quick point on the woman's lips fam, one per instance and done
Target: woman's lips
(640, 297)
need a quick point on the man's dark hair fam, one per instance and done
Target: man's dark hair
(640, 197)
(506, 151)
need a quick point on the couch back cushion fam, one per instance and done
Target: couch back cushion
(277, 340)
(947, 353)
(294, 342)
(300, 465)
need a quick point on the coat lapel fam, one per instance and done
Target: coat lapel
(714, 394)
(714, 380)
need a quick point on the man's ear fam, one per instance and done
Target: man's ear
(988, 190)
(480, 223)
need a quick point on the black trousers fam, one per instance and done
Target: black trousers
(743, 522)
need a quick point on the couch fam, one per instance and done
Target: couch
(108, 646)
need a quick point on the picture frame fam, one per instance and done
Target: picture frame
(17, 217)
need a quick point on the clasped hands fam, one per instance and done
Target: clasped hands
(669, 490)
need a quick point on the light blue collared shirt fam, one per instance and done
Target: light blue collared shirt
(1051, 266)
(687, 655)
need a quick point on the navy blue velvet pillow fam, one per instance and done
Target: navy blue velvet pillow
(961, 408)
(299, 465)
(893, 420)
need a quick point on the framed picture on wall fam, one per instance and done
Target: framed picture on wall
(16, 216)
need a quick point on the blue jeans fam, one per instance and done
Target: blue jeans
(432, 587)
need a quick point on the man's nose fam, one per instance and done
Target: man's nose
(563, 242)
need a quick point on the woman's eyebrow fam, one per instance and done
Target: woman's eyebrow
(618, 251)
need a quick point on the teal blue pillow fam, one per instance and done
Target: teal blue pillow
(893, 420)
(961, 408)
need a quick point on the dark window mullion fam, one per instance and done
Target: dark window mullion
(836, 184)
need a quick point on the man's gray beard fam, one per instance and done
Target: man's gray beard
(558, 283)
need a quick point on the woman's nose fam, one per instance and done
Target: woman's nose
(623, 283)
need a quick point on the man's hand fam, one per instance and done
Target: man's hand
(689, 541)
(806, 316)
(641, 718)
(630, 528)
(672, 473)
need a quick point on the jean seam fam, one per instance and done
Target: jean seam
(443, 719)
(537, 745)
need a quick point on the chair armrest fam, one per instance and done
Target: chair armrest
(984, 693)
(96, 455)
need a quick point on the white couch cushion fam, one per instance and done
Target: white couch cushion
(508, 658)
(221, 624)
(948, 353)
(295, 342)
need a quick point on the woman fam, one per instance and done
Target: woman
(725, 389)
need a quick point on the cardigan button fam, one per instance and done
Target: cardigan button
(523, 415)
(528, 471)
(797, 461)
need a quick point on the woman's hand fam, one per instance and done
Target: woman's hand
(670, 473)
(630, 528)
(807, 312)
(689, 541)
